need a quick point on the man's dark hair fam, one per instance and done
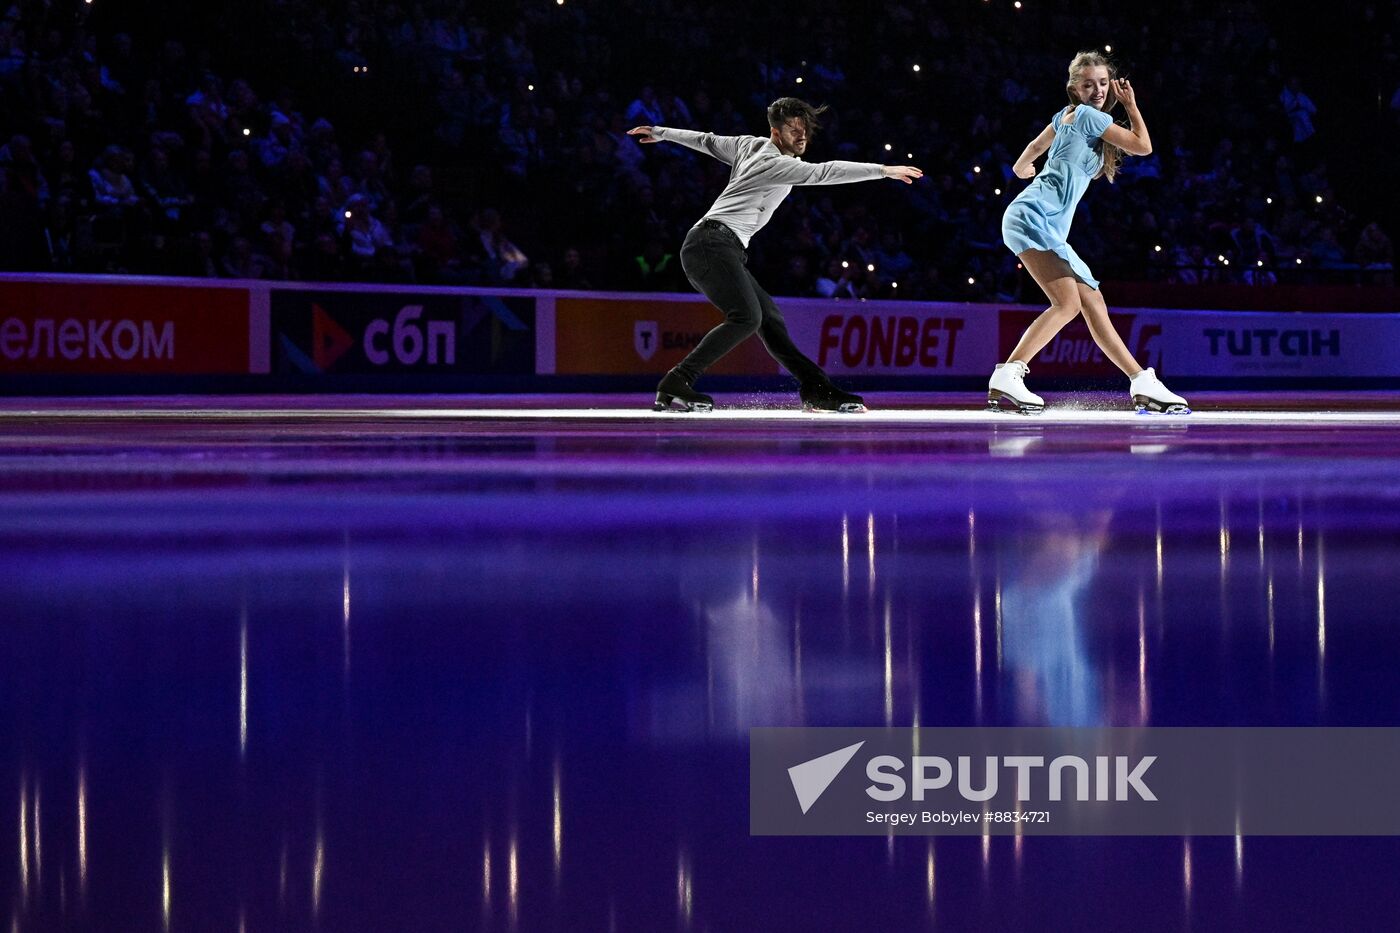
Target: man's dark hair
(785, 108)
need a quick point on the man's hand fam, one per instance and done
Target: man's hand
(1023, 171)
(904, 173)
(644, 132)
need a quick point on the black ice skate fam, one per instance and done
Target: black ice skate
(674, 389)
(823, 396)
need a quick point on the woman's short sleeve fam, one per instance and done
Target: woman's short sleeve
(1091, 122)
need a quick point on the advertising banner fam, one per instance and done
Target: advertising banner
(617, 335)
(1231, 344)
(627, 335)
(1249, 344)
(94, 328)
(98, 325)
(1073, 352)
(894, 338)
(317, 331)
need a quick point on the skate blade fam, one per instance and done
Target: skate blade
(1146, 406)
(845, 408)
(995, 400)
(665, 402)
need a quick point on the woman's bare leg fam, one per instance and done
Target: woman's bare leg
(1103, 331)
(1053, 276)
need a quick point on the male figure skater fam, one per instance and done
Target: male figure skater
(762, 173)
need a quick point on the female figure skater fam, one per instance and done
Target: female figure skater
(1084, 144)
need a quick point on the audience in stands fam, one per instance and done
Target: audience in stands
(141, 148)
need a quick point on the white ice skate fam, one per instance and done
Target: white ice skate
(1149, 395)
(1007, 387)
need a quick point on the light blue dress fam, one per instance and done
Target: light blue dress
(1040, 216)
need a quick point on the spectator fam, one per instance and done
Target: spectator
(243, 263)
(1261, 271)
(656, 269)
(541, 275)
(838, 281)
(112, 190)
(274, 148)
(18, 157)
(500, 259)
(572, 275)
(798, 278)
(1373, 249)
(1300, 110)
(165, 189)
(1375, 256)
(1326, 252)
(891, 261)
(365, 236)
(437, 244)
(646, 110)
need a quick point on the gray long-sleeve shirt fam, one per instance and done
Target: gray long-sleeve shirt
(761, 176)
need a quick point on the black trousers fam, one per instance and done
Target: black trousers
(715, 263)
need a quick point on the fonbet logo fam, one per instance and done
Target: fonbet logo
(1107, 778)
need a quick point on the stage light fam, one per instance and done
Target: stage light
(1319, 199)
(870, 267)
(971, 280)
(977, 170)
(529, 87)
(909, 155)
(799, 80)
(1268, 200)
(996, 191)
(916, 67)
(1017, 4)
(888, 147)
(1226, 262)
(894, 285)
(1260, 263)
(347, 215)
(1157, 248)
(1108, 48)
(247, 132)
(1299, 260)
(845, 264)
(1219, 258)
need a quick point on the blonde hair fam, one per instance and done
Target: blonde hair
(1112, 155)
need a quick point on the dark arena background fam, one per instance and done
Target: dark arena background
(349, 582)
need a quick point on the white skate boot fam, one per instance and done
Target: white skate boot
(1008, 387)
(1149, 395)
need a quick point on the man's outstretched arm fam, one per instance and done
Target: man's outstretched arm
(785, 171)
(724, 148)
